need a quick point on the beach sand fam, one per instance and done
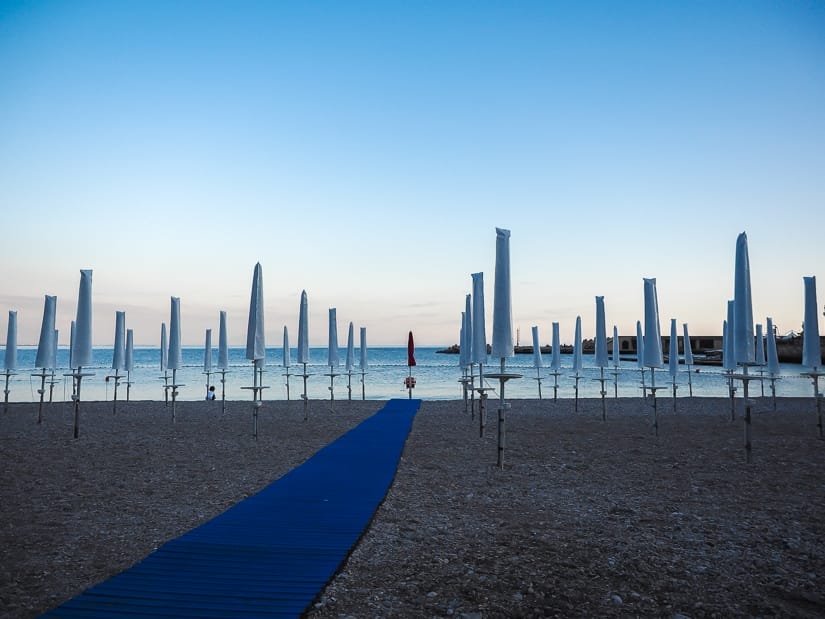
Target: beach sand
(587, 517)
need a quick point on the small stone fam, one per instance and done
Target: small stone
(432, 594)
(616, 599)
(518, 597)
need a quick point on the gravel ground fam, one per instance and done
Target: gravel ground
(588, 517)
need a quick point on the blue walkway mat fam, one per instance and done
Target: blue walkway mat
(271, 554)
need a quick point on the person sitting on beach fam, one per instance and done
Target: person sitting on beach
(210, 395)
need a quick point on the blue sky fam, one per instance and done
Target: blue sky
(366, 151)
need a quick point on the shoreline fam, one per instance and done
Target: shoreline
(584, 512)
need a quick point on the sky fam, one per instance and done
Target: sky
(366, 152)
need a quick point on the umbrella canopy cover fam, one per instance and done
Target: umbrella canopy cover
(653, 332)
(640, 346)
(333, 360)
(207, 351)
(11, 342)
(616, 351)
(601, 334)
(223, 342)
(287, 358)
(119, 354)
(673, 352)
(45, 347)
(350, 361)
(811, 349)
(686, 342)
(577, 346)
(363, 350)
(164, 348)
(174, 360)
(410, 350)
(303, 329)
(728, 352)
(537, 363)
(83, 322)
(255, 340)
(743, 342)
(479, 354)
(760, 346)
(130, 350)
(555, 353)
(773, 356)
(502, 299)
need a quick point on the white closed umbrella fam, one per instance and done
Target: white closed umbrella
(502, 348)
(673, 358)
(479, 330)
(728, 355)
(10, 357)
(640, 355)
(653, 341)
(174, 358)
(164, 361)
(256, 342)
(350, 359)
(287, 360)
(119, 354)
(600, 352)
(616, 353)
(744, 349)
(303, 344)
(760, 357)
(333, 360)
(45, 349)
(207, 360)
(811, 345)
(555, 359)
(773, 359)
(130, 360)
(537, 362)
(688, 355)
(362, 364)
(82, 345)
(223, 355)
(577, 358)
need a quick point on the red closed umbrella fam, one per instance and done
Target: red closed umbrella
(410, 350)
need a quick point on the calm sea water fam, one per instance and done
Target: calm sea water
(436, 375)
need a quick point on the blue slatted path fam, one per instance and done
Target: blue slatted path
(271, 554)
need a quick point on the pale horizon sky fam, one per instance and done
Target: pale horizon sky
(366, 152)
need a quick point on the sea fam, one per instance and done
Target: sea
(437, 377)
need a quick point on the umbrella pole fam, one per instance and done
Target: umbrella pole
(481, 399)
(349, 384)
(363, 386)
(745, 381)
(762, 382)
(6, 392)
(41, 391)
(555, 385)
(114, 397)
(731, 392)
(538, 380)
(166, 386)
(644, 388)
(655, 407)
(51, 387)
(501, 406)
(472, 392)
(223, 390)
(332, 383)
(616, 381)
(287, 384)
(773, 390)
(128, 383)
(690, 382)
(576, 390)
(304, 395)
(255, 405)
(814, 376)
(76, 398)
(174, 393)
(409, 384)
(603, 392)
